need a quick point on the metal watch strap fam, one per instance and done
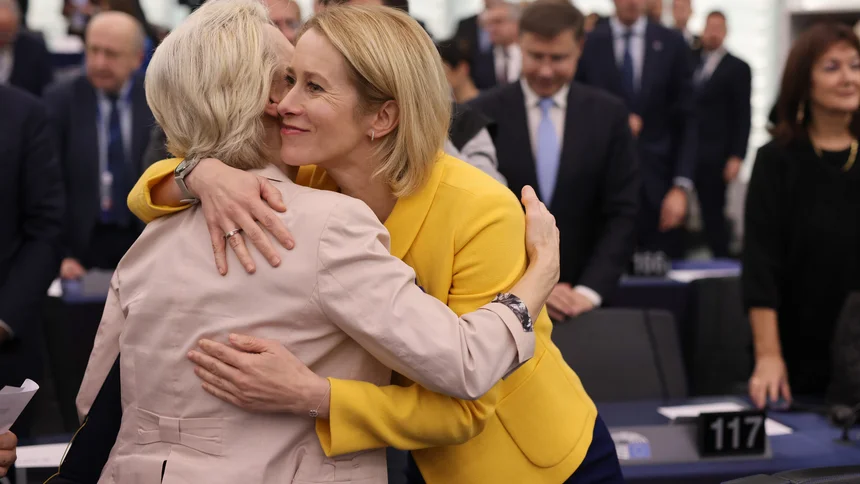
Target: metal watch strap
(182, 171)
(518, 307)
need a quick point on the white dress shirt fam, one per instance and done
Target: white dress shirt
(514, 62)
(710, 61)
(637, 45)
(7, 61)
(557, 115)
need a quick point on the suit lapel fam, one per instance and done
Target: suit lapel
(85, 119)
(141, 123)
(572, 144)
(520, 144)
(652, 50)
(606, 50)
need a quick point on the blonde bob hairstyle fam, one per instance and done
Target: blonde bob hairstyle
(390, 57)
(209, 81)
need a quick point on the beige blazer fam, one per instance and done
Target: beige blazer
(339, 301)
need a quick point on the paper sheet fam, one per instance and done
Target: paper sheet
(56, 289)
(40, 456)
(771, 427)
(690, 275)
(12, 402)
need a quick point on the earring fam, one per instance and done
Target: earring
(801, 112)
(372, 135)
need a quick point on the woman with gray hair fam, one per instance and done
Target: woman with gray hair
(340, 303)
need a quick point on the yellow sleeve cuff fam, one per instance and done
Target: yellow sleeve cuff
(140, 197)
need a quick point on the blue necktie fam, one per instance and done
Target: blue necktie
(547, 152)
(627, 71)
(118, 167)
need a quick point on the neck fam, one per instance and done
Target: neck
(681, 26)
(356, 180)
(628, 21)
(830, 129)
(466, 92)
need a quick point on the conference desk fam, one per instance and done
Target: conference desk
(813, 444)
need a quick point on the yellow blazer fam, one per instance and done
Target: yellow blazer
(463, 235)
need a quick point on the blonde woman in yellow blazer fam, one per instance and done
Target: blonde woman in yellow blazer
(366, 109)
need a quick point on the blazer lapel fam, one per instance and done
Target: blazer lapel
(519, 142)
(653, 50)
(409, 213)
(86, 117)
(572, 148)
(141, 125)
(606, 51)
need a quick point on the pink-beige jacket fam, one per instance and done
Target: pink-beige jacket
(339, 301)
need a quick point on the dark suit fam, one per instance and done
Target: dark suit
(596, 196)
(482, 64)
(667, 143)
(31, 194)
(74, 111)
(723, 104)
(32, 68)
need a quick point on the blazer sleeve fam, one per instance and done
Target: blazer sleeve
(140, 197)
(490, 258)
(373, 297)
(763, 255)
(619, 207)
(105, 350)
(742, 100)
(37, 261)
(684, 109)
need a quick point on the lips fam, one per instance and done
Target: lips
(289, 129)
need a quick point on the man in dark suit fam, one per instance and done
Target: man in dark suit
(723, 87)
(31, 223)
(682, 10)
(650, 67)
(103, 124)
(476, 39)
(572, 143)
(24, 59)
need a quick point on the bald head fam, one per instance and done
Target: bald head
(115, 42)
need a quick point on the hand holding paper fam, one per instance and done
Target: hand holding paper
(12, 403)
(7, 451)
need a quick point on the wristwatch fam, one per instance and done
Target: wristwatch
(519, 309)
(179, 174)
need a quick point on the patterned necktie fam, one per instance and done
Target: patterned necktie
(118, 168)
(547, 152)
(627, 72)
(502, 72)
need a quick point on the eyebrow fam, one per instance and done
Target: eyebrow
(310, 74)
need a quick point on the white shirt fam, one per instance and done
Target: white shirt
(103, 124)
(557, 115)
(514, 61)
(637, 45)
(688, 36)
(710, 61)
(7, 61)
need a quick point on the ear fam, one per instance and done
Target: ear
(385, 120)
(272, 108)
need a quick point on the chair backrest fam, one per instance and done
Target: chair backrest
(624, 354)
(719, 342)
(844, 385)
(830, 475)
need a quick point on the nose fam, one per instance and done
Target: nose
(290, 105)
(545, 70)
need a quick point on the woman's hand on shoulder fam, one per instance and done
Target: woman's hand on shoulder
(234, 200)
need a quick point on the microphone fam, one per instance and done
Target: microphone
(844, 417)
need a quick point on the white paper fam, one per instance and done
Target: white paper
(12, 402)
(56, 289)
(771, 427)
(696, 274)
(40, 456)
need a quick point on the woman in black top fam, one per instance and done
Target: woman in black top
(802, 253)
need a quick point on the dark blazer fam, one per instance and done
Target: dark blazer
(31, 194)
(724, 111)
(665, 101)
(31, 223)
(32, 69)
(596, 196)
(73, 107)
(482, 65)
